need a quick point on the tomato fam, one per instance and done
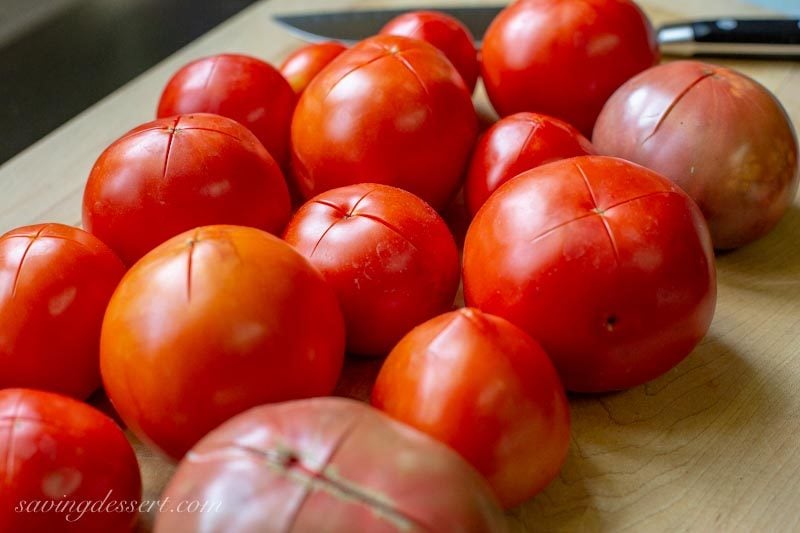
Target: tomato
(388, 255)
(517, 143)
(171, 175)
(55, 283)
(239, 87)
(210, 323)
(485, 388)
(564, 57)
(390, 110)
(300, 67)
(445, 33)
(326, 464)
(721, 136)
(607, 264)
(66, 467)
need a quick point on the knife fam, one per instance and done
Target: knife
(766, 38)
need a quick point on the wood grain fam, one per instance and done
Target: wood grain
(710, 446)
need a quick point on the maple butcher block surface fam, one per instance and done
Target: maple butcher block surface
(710, 446)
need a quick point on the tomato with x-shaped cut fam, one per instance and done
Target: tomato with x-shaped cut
(66, 467)
(608, 264)
(388, 255)
(55, 283)
(174, 174)
(390, 110)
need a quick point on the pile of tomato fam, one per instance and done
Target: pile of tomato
(269, 221)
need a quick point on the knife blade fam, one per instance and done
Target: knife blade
(765, 38)
(351, 26)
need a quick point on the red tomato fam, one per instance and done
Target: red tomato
(388, 255)
(213, 322)
(515, 144)
(482, 386)
(445, 33)
(564, 57)
(66, 467)
(243, 88)
(721, 136)
(390, 110)
(171, 175)
(607, 264)
(303, 64)
(55, 283)
(326, 464)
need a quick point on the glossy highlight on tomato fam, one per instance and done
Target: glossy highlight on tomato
(177, 173)
(485, 388)
(212, 322)
(243, 88)
(607, 264)
(60, 456)
(445, 33)
(564, 57)
(388, 255)
(390, 110)
(326, 464)
(55, 283)
(517, 143)
(300, 67)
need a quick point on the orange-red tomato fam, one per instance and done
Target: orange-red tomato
(239, 87)
(174, 174)
(564, 57)
(300, 67)
(514, 144)
(445, 33)
(482, 386)
(326, 464)
(390, 110)
(721, 136)
(55, 283)
(213, 322)
(607, 264)
(388, 255)
(66, 467)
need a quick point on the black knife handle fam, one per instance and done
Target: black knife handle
(733, 37)
(776, 31)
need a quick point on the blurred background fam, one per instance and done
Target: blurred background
(58, 57)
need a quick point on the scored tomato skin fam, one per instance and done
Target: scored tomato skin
(517, 143)
(243, 88)
(564, 57)
(57, 450)
(213, 322)
(388, 255)
(607, 264)
(326, 464)
(300, 67)
(485, 388)
(55, 283)
(390, 110)
(174, 174)
(445, 33)
(739, 162)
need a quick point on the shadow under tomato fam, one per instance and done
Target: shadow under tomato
(680, 436)
(769, 266)
(358, 376)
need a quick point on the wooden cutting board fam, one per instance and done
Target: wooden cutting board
(710, 446)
